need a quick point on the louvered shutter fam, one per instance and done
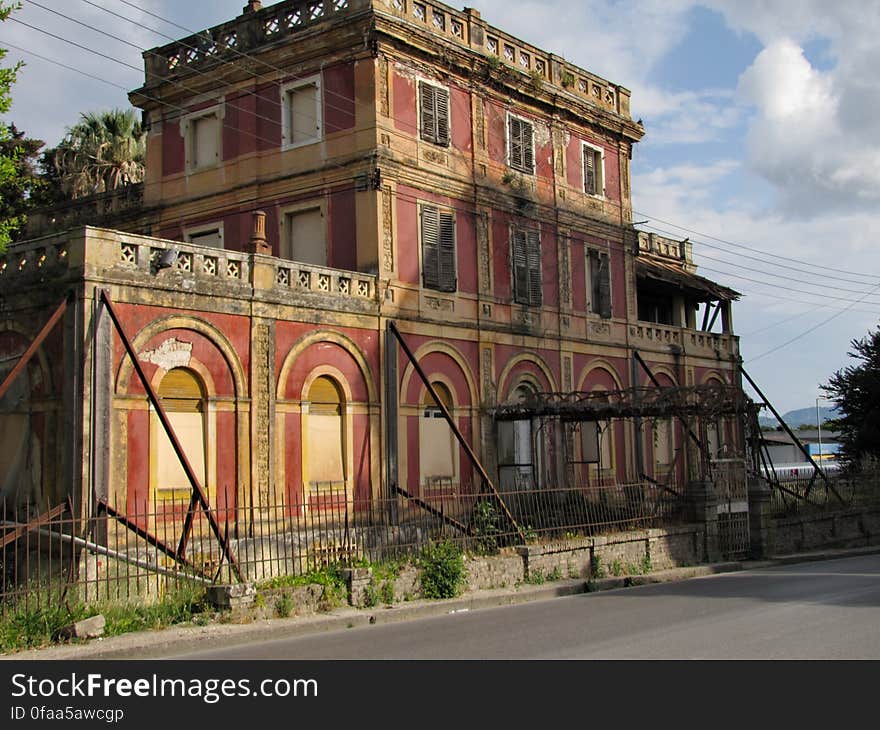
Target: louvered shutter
(446, 253)
(534, 254)
(590, 171)
(431, 247)
(442, 116)
(527, 147)
(516, 149)
(604, 309)
(429, 113)
(520, 268)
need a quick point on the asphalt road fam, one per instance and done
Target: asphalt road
(819, 610)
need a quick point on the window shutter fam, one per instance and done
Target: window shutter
(516, 148)
(534, 254)
(442, 116)
(429, 114)
(430, 247)
(590, 171)
(604, 309)
(527, 148)
(520, 268)
(446, 253)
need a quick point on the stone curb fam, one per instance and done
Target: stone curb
(148, 644)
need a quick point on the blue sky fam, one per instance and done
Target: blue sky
(760, 141)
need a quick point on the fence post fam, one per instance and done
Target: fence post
(704, 509)
(760, 534)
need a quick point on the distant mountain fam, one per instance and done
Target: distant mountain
(799, 416)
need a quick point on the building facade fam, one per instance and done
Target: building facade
(317, 169)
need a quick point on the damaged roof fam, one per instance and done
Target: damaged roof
(671, 274)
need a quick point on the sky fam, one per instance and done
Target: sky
(760, 142)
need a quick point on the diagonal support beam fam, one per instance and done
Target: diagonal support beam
(34, 346)
(475, 462)
(142, 533)
(34, 524)
(434, 511)
(198, 493)
(817, 470)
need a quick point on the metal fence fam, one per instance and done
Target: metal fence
(804, 495)
(55, 557)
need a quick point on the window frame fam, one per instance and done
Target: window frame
(286, 127)
(441, 284)
(524, 168)
(284, 234)
(599, 152)
(593, 307)
(188, 126)
(535, 274)
(434, 137)
(202, 228)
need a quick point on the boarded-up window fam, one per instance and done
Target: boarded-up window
(212, 237)
(521, 147)
(204, 141)
(593, 173)
(436, 440)
(599, 273)
(304, 237)
(434, 113)
(438, 249)
(183, 401)
(302, 114)
(527, 287)
(325, 433)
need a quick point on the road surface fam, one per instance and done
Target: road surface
(818, 610)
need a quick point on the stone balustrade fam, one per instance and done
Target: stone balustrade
(692, 342)
(265, 26)
(666, 248)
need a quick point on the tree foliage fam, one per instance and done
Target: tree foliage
(855, 391)
(7, 163)
(102, 152)
(27, 186)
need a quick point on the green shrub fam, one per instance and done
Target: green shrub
(386, 592)
(485, 520)
(442, 570)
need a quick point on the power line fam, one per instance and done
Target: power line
(748, 248)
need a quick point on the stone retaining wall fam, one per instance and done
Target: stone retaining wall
(850, 528)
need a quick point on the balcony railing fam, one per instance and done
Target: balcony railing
(692, 342)
(666, 248)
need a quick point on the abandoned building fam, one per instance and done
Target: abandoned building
(333, 186)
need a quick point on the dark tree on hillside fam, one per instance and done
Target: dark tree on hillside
(855, 391)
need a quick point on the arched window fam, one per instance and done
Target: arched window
(437, 445)
(326, 434)
(515, 450)
(183, 399)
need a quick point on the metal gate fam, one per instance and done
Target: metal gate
(731, 487)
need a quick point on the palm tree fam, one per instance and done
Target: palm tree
(103, 152)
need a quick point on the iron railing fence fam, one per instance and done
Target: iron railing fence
(140, 555)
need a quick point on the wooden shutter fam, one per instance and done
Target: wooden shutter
(520, 268)
(446, 254)
(590, 171)
(522, 156)
(534, 254)
(516, 150)
(604, 309)
(441, 97)
(429, 113)
(527, 148)
(430, 247)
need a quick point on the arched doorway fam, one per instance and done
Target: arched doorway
(325, 434)
(438, 462)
